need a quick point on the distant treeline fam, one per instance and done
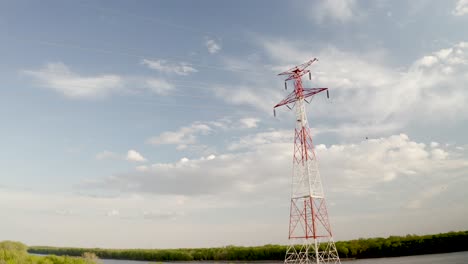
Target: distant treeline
(15, 253)
(361, 248)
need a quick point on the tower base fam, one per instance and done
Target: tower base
(312, 252)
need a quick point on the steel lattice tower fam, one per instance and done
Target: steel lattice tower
(310, 234)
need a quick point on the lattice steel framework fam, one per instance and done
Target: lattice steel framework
(310, 234)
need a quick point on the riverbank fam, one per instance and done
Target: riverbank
(392, 246)
(16, 253)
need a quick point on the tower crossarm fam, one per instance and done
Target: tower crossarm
(300, 94)
(299, 70)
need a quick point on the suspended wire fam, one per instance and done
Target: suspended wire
(130, 53)
(139, 56)
(191, 96)
(198, 107)
(150, 19)
(162, 22)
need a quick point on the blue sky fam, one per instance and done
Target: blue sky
(150, 124)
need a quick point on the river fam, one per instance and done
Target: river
(447, 258)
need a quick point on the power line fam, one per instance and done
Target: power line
(139, 56)
(200, 107)
(162, 22)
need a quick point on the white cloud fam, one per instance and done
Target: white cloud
(211, 175)
(365, 91)
(142, 168)
(262, 161)
(249, 122)
(107, 155)
(187, 136)
(339, 10)
(64, 212)
(213, 46)
(181, 68)
(57, 224)
(245, 95)
(183, 136)
(358, 129)
(380, 160)
(461, 8)
(439, 154)
(388, 177)
(113, 213)
(385, 176)
(262, 138)
(426, 195)
(162, 215)
(58, 77)
(367, 97)
(159, 86)
(133, 155)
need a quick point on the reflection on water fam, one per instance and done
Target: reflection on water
(448, 258)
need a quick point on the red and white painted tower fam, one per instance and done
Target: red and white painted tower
(310, 234)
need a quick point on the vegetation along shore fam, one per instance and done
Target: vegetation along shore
(361, 248)
(16, 253)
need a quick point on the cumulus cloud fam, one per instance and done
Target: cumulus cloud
(181, 68)
(364, 91)
(262, 138)
(133, 155)
(159, 86)
(51, 212)
(261, 163)
(461, 8)
(388, 177)
(335, 10)
(249, 122)
(113, 213)
(245, 95)
(188, 135)
(182, 137)
(64, 212)
(381, 160)
(421, 197)
(59, 77)
(142, 168)
(107, 155)
(213, 46)
(229, 173)
(152, 215)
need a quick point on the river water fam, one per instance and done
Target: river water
(447, 258)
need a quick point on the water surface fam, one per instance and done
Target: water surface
(447, 258)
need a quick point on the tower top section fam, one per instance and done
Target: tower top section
(300, 93)
(299, 70)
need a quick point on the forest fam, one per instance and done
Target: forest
(15, 252)
(360, 248)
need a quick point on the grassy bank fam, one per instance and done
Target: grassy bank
(16, 253)
(362, 248)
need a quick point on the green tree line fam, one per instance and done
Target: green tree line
(361, 248)
(16, 253)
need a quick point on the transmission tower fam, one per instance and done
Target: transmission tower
(310, 234)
